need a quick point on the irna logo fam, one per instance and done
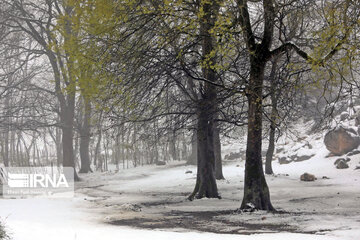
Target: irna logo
(16, 180)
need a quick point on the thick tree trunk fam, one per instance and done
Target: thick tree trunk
(217, 151)
(205, 182)
(256, 191)
(85, 136)
(67, 119)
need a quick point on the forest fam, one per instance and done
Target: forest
(184, 119)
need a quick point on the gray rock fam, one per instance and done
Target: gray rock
(341, 159)
(357, 119)
(302, 158)
(354, 152)
(307, 177)
(341, 140)
(283, 160)
(342, 165)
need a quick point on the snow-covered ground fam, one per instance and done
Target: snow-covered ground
(150, 203)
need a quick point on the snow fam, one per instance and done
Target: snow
(326, 209)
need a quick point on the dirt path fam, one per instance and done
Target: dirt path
(137, 203)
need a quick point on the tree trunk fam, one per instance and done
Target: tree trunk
(256, 191)
(273, 117)
(217, 151)
(173, 149)
(85, 136)
(205, 183)
(67, 119)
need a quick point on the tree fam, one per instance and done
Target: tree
(256, 191)
(55, 42)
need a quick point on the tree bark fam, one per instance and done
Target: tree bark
(67, 118)
(85, 136)
(256, 191)
(206, 183)
(271, 148)
(273, 118)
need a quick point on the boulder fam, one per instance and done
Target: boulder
(307, 177)
(352, 153)
(297, 158)
(341, 140)
(294, 158)
(357, 120)
(342, 165)
(341, 159)
(283, 160)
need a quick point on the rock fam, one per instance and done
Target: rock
(283, 160)
(354, 152)
(357, 168)
(294, 158)
(301, 158)
(344, 116)
(160, 163)
(249, 208)
(306, 177)
(341, 159)
(357, 119)
(130, 207)
(188, 171)
(279, 150)
(325, 177)
(341, 140)
(308, 145)
(342, 165)
(232, 156)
